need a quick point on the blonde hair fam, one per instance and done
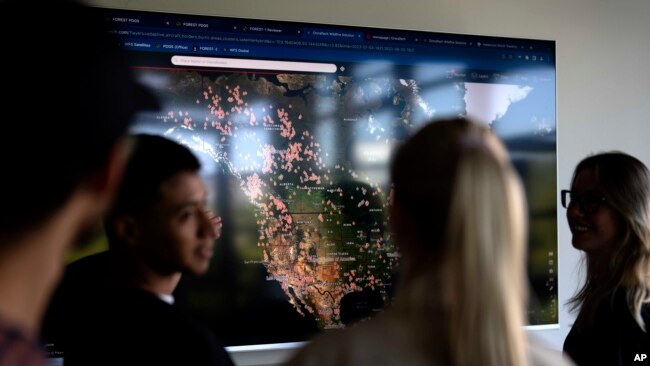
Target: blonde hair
(479, 251)
(625, 183)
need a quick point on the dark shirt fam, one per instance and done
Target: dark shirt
(95, 323)
(16, 349)
(614, 338)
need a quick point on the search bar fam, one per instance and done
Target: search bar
(233, 63)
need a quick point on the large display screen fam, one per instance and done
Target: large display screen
(295, 124)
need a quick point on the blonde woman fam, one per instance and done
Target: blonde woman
(608, 211)
(459, 216)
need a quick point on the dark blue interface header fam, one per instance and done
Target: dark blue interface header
(341, 45)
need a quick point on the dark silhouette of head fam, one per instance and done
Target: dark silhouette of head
(63, 111)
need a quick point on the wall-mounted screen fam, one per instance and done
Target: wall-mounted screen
(295, 124)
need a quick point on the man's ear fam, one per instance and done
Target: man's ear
(126, 229)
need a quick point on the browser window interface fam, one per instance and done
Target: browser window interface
(295, 125)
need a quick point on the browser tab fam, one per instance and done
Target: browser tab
(388, 37)
(333, 34)
(271, 30)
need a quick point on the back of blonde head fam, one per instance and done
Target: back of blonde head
(465, 256)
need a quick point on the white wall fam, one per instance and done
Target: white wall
(603, 63)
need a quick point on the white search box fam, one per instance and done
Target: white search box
(233, 63)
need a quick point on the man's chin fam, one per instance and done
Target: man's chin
(199, 269)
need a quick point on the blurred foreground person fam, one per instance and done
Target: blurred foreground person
(458, 214)
(62, 154)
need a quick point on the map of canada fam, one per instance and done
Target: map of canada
(310, 154)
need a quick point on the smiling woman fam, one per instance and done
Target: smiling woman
(608, 212)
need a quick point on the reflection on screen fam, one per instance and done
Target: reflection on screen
(295, 125)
